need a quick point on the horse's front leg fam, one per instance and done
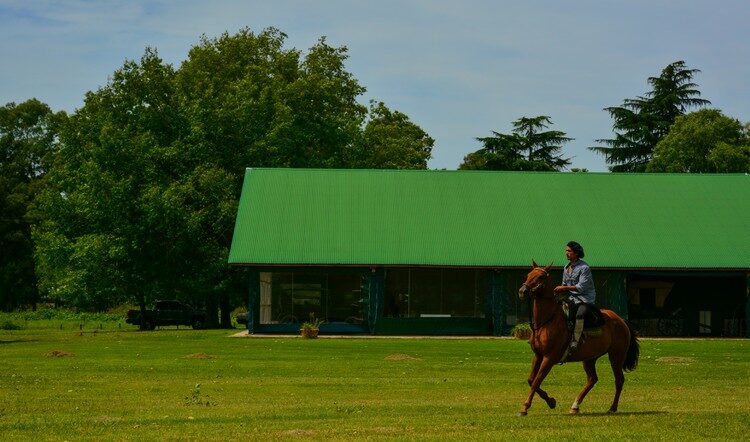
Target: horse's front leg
(543, 370)
(535, 363)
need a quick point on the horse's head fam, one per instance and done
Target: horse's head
(535, 282)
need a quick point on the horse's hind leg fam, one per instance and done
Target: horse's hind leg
(591, 379)
(617, 361)
(535, 363)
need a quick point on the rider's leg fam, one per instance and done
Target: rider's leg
(578, 328)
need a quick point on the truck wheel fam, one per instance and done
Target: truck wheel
(197, 324)
(148, 325)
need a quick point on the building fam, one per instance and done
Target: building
(444, 252)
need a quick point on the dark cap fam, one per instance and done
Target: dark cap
(577, 248)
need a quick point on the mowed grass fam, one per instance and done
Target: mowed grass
(122, 384)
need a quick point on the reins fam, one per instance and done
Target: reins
(531, 300)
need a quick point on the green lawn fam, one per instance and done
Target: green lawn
(111, 382)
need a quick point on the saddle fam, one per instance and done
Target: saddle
(592, 322)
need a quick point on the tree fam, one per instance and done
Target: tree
(107, 236)
(527, 147)
(391, 141)
(640, 123)
(148, 178)
(249, 102)
(703, 141)
(27, 139)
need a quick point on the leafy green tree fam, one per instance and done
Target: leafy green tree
(249, 102)
(106, 237)
(527, 147)
(703, 141)
(147, 181)
(640, 123)
(391, 141)
(27, 139)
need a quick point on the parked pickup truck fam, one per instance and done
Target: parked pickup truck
(167, 313)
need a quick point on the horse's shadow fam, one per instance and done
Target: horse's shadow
(621, 413)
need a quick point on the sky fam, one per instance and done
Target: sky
(458, 69)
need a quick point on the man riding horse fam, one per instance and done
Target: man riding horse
(577, 280)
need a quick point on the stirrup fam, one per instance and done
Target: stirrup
(573, 347)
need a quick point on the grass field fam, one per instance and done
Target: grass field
(108, 381)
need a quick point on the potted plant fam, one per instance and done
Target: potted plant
(310, 329)
(522, 331)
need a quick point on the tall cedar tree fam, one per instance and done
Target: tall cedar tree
(527, 147)
(640, 123)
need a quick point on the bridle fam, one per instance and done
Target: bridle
(534, 293)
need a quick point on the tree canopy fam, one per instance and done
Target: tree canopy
(527, 147)
(640, 123)
(391, 141)
(144, 190)
(703, 141)
(27, 141)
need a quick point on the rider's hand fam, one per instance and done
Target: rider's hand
(561, 289)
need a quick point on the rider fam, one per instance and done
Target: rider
(577, 280)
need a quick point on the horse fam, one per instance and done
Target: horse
(551, 336)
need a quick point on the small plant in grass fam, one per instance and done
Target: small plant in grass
(195, 398)
(9, 325)
(310, 329)
(521, 331)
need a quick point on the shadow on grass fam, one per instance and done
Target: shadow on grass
(16, 341)
(621, 413)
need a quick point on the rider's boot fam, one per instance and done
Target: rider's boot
(577, 331)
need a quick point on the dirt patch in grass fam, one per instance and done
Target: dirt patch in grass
(200, 356)
(400, 357)
(385, 430)
(58, 354)
(108, 419)
(675, 360)
(298, 432)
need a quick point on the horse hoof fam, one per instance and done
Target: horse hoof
(521, 414)
(552, 403)
(611, 411)
(574, 411)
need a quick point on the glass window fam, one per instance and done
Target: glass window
(426, 293)
(423, 293)
(344, 301)
(396, 293)
(296, 296)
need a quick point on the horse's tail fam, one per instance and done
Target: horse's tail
(634, 351)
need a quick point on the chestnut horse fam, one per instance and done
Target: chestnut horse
(551, 337)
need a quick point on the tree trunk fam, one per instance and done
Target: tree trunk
(212, 311)
(226, 309)
(142, 304)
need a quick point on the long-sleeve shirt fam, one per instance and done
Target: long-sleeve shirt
(578, 274)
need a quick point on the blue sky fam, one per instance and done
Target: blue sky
(458, 69)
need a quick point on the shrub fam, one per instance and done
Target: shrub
(8, 325)
(521, 331)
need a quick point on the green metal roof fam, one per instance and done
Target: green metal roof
(491, 219)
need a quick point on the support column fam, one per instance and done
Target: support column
(747, 305)
(618, 294)
(373, 295)
(253, 302)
